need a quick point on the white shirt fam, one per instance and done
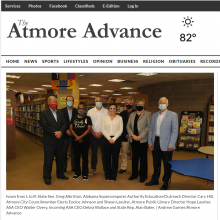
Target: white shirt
(54, 113)
(159, 121)
(96, 117)
(69, 113)
(112, 127)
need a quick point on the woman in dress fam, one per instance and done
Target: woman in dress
(137, 128)
(80, 127)
(112, 127)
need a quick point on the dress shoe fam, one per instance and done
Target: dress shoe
(142, 180)
(132, 177)
(63, 177)
(47, 182)
(151, 183)
(122, 171)
(92, 172)
(164, 187)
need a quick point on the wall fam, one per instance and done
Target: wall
(187, 95)
(10, 130)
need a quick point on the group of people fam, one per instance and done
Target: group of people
(104, 128)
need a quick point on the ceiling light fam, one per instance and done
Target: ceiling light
(108, 90)
(116, 80)
(39, 88)
(27, 92)
(126, 88)
(12, 76)
(81, 75)
(83, 94)
(92, 96)
(7, 86)
(32, 91)
(94, 92)
(132, 92)
(95, 85)
(46, 85)
(146, 74)
(116, 94)
(82, 88)
(104, 95)
(10, 82)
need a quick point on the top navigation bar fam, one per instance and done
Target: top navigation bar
(110, 6)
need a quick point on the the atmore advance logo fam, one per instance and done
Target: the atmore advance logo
(21, 30)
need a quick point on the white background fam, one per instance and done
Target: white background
(205, 26)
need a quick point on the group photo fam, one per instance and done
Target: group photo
(110, 131)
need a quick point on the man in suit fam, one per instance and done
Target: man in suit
(162, 136)
(124, 137)
(54, 126)
(68, 112)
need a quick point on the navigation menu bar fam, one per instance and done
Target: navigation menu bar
(110, 6)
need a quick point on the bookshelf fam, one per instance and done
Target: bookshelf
(27, 118)
(190, 130)
(210, 125)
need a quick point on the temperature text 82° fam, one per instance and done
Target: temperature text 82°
(187, 37)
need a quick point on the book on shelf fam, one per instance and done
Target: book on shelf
(184, 121)
(211, 117)
(190, 138)
(195, 138)
(211, 138)
(181, 144)
(39, 131)
(196, 146)
(198, 119)
(195, 131)
(183, 128)
(191, 121)
(38, 108)
(190, 125)
(196, 124)
(28, 108)
(211, 107)
(185, 117)
(192, 116)
(38, 116)
(189, 145)
(211, 129)
(33, 108)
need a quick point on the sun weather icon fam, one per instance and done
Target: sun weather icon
(187, 21)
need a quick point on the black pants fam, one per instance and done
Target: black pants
(65, 149)
(81, 149)
(95, 143)
(49, 152)
(158, 154)
(111, 158)
(139, 150)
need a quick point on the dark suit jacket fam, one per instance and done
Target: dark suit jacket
(50, 125)
(124, 116)
(66, 116)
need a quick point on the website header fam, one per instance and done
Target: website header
(110, 6)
